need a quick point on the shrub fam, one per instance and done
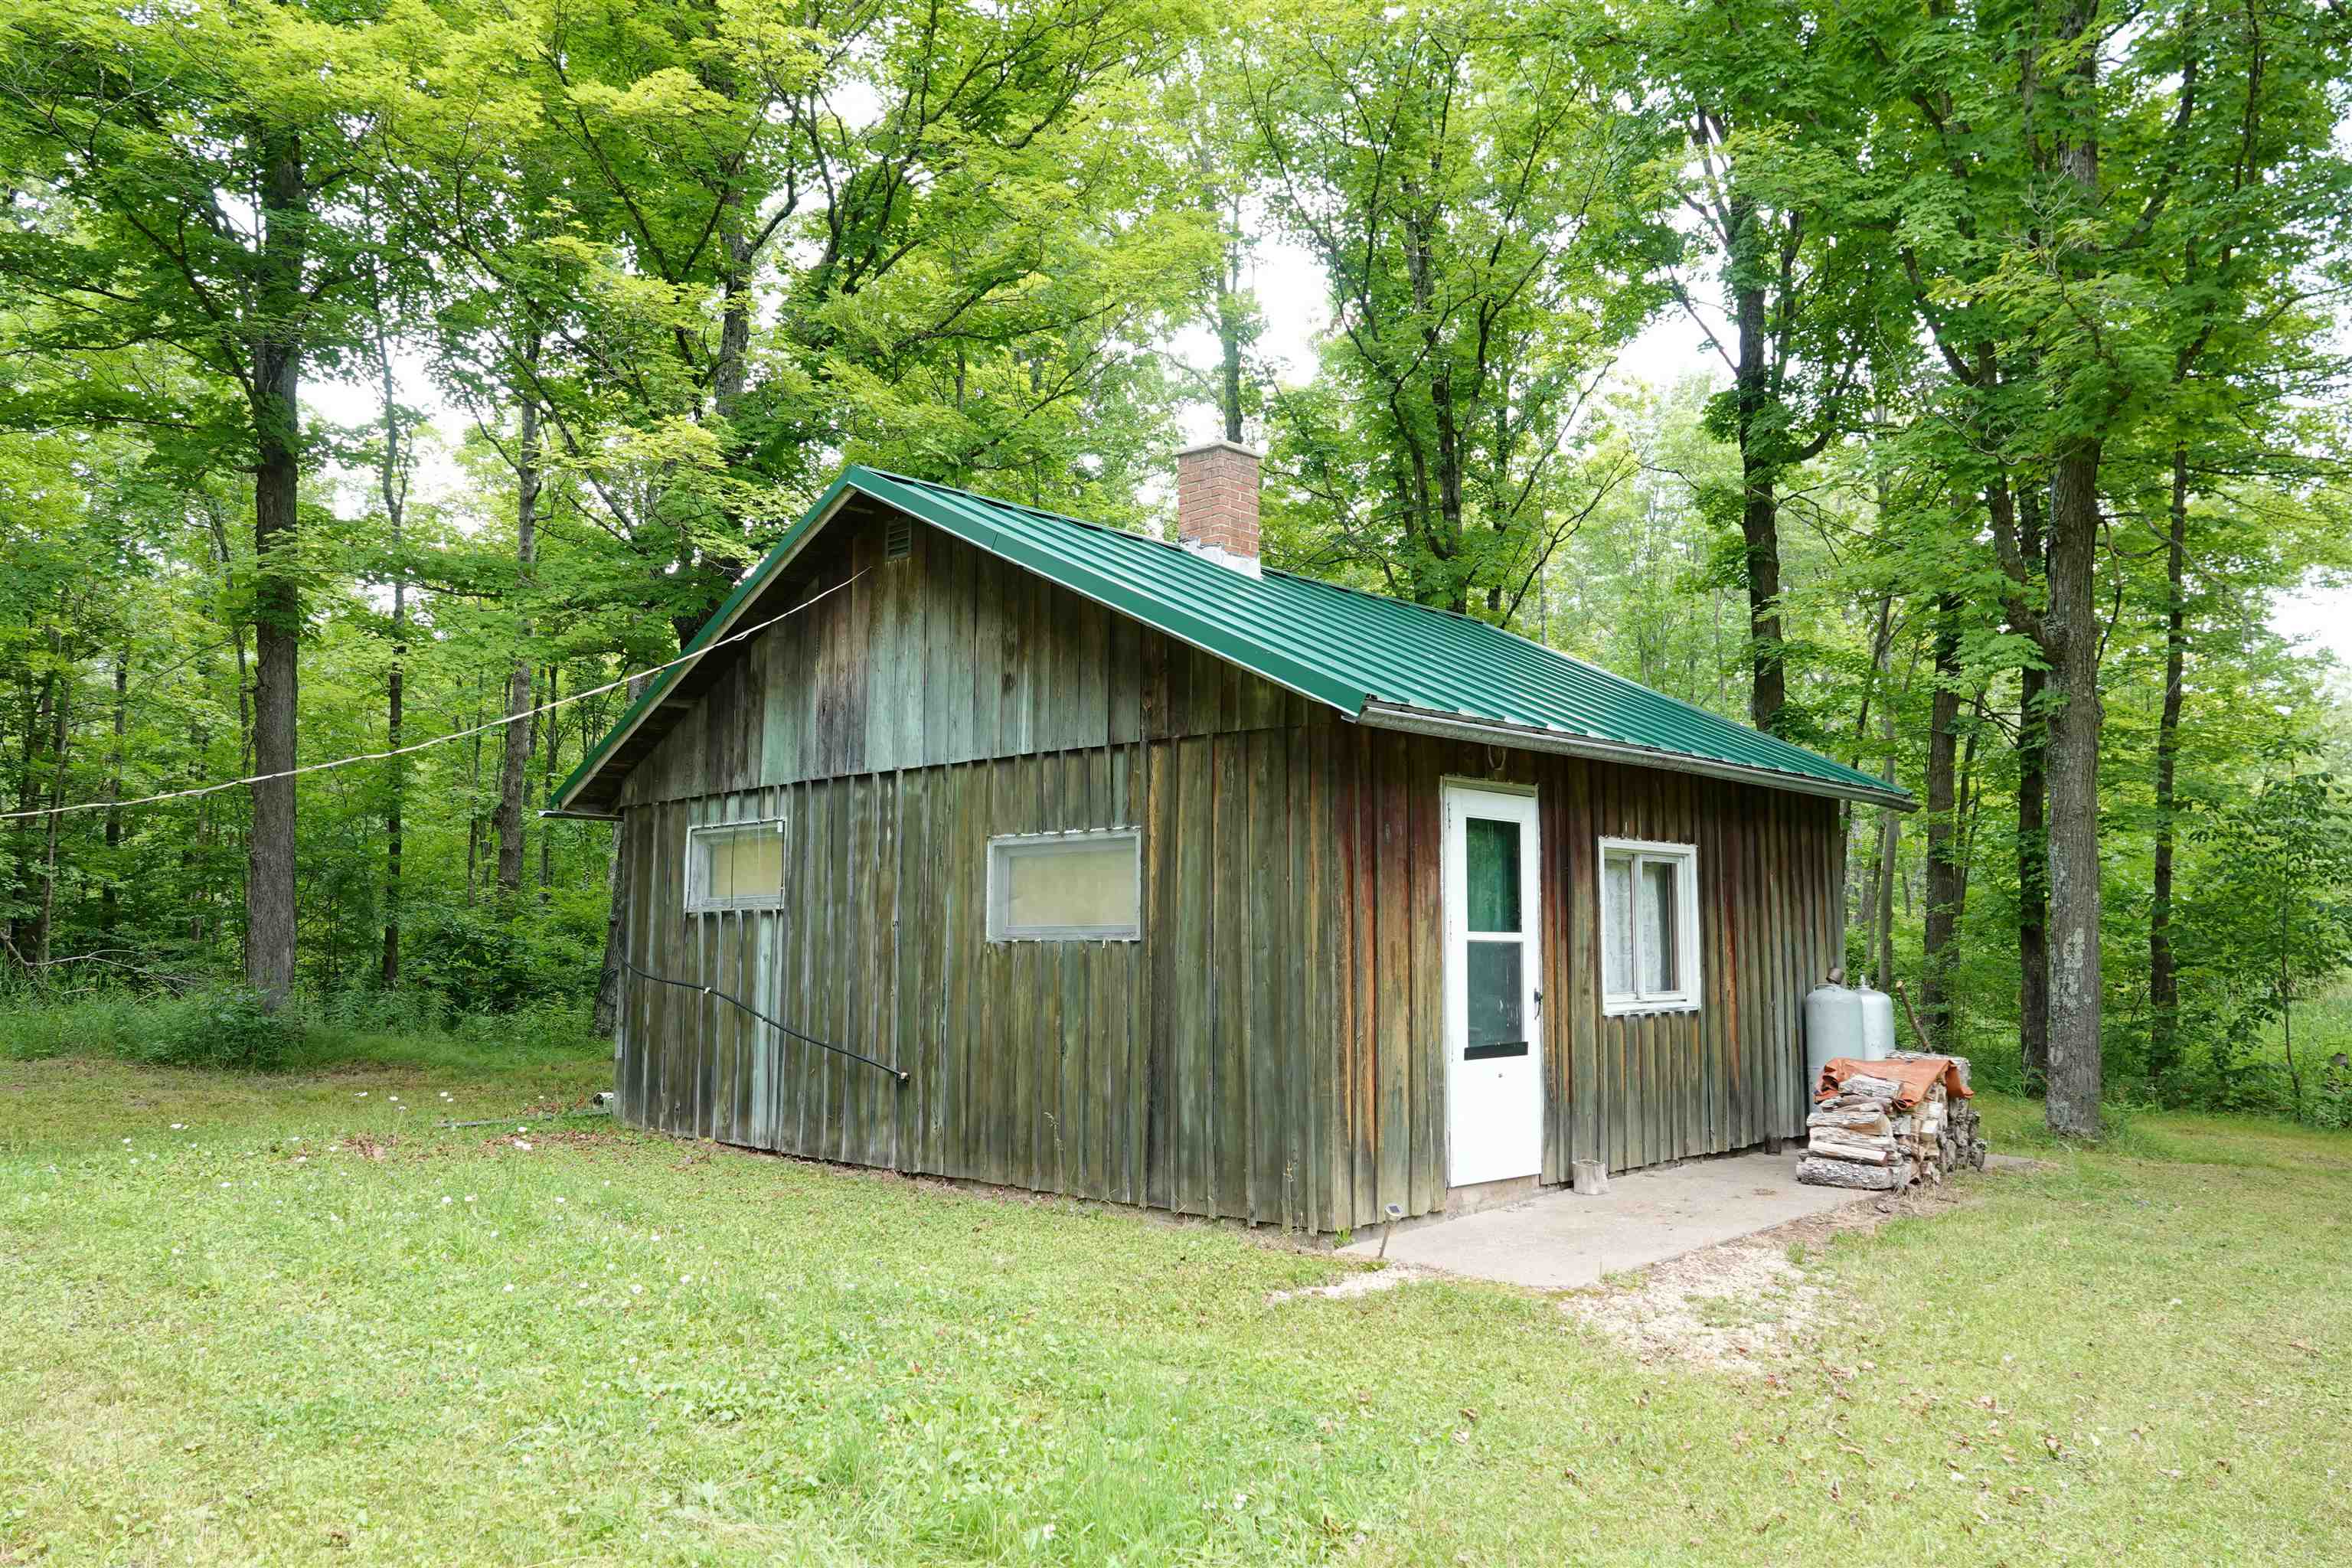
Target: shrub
(491, 959)
(535, 1029)
(93, 1026)
(225, 1026)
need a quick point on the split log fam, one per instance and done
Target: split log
(1859, 1118)
(1830, 1143)
(1847, 1173)
(1867, 1084)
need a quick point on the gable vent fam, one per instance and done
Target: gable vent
(898, 537)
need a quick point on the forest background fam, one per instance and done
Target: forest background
(1956, 388)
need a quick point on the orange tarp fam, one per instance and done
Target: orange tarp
(1911, 1077)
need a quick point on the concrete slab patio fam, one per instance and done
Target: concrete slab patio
(1559, 1241)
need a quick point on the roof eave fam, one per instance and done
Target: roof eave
(1456, 727)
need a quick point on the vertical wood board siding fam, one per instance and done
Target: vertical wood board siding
(1273, 1050)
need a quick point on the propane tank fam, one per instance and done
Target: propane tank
(1832, 1026)
(1877, 1010)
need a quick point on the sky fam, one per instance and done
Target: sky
(1289, 289)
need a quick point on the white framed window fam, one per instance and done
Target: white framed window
(1649, 927)
(1067, 887)
(735, 866)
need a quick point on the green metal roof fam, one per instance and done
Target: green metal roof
(1376, 659)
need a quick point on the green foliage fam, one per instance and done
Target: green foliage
(231, 1027)
(488, 959)
(1484, 253)
(716, 249)
(2272, 923)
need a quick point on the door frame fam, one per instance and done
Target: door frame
(1526, 808)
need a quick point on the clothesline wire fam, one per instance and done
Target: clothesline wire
(46, 811)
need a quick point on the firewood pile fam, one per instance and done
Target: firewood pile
(1862, 1137)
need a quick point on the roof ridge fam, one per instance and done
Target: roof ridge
(1020, 506)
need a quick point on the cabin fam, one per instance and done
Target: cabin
(987, 843)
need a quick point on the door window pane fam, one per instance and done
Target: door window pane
(1661, 926)
(1490, 854)
(1497, 996)
(1617, 926)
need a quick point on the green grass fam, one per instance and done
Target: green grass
(233, 1341)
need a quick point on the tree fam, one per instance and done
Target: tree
(2054, 166)
(1481, 208)
(191, 178)
(1785, 207)
(2276, 922)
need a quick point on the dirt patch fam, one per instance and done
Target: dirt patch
(1744, 1307)
(1363, 1282)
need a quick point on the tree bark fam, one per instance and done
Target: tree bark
(1943, 828)
(276, 369)
(1230, 326)
(110, 904)
(2071, 1108)
(396, 508)
(2033, 883)
(515, 760)
(1759, 474)
(57, 700)
(547, 782)
(2163, 975)
(60, 735)
(2072, 640)
(608, 976)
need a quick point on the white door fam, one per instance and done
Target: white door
(1494, 986)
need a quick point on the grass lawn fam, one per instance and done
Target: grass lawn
(284, 1321)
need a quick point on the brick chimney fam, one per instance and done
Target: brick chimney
(1216, 503)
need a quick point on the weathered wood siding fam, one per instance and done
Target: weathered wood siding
(1630, 1091)
(1273, 1048)
(949, 654)
(1190, 1071)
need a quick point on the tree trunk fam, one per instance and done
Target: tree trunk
(1230, 327)
(608, 976)
(1759, 529)
(277, 359)
(1759, 495)
(2022, 509)
(547, 782)
(109, 905)
(2072, 640)
(474, 796)
(1943, 828)
(395, 499)
(59, 734)
(37, 951)
(515, 760)
(2163, 976)
(2073, 1107)
(2033, 883)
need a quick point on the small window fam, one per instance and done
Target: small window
(1067, 887)
(1649, 927)
(735, 866)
